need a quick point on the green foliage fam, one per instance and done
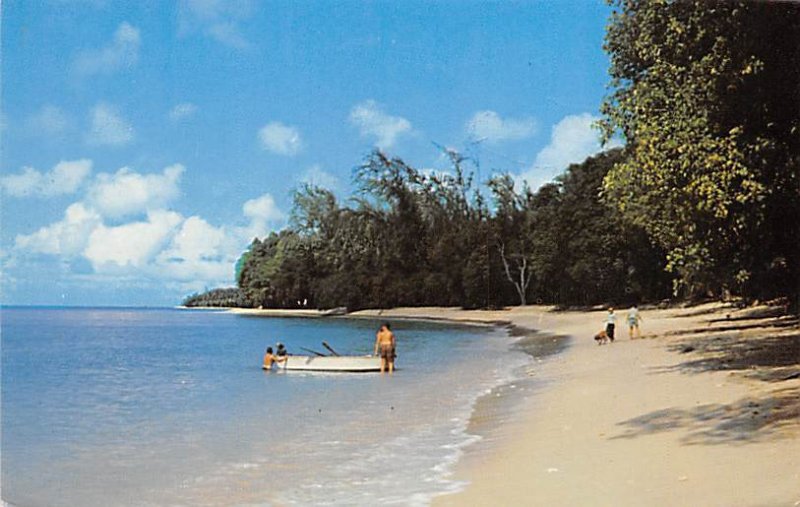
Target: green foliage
(274, 271)
(586, 251)
(411, 238)
(218, 298)
(705, 94)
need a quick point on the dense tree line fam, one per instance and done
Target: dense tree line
(226, 297)
(413, 238)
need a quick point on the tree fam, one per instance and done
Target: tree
(513, 226)
(708, 105)
(585, 250)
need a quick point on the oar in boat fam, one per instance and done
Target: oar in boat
(314, 352)
(325, 344)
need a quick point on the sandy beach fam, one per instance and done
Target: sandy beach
(269, 312)
(704, 410)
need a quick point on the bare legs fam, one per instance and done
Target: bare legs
(386, 364)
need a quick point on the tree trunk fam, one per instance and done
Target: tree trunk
(524, 275)
(522, 299)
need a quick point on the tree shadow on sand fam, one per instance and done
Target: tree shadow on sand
(766, 348)
(735, 324)
(744, 421)
(771, 358)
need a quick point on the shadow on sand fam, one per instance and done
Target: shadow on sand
(760, 344)
(744, 421)
(773, 358)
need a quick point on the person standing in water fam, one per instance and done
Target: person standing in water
(386, 344)
(611, 322)
(633, 322)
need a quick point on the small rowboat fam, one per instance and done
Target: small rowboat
(332, 363)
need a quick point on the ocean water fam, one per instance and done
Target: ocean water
(104, 407)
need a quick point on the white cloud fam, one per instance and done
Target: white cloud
(49, 121)
(201, 254)
(182, 111)
(164, 247)
(315, 175)
(108, 127)
(127, 192)
(263, 216)
(122, 51)
(279, 138)
(22, 184)
(262, 208)
(201, 251)
(571, 140)
(67, 237)
(64, 178)
(133, 244)
(197, 240)
(489, 126)
(219, 19)
(373, 122)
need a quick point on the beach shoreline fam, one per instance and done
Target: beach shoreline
(634, 423)
(663, 420)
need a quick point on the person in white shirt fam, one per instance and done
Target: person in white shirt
(611, 321)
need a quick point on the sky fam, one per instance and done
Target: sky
(144, 144)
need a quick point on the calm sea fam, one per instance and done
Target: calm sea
(104, 407)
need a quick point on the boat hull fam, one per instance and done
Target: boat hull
(332, 363)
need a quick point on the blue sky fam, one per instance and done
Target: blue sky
(145, 143)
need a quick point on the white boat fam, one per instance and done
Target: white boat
(334, 312)
(332, 363)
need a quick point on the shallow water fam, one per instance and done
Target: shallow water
(170, 407)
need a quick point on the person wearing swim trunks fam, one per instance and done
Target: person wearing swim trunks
(386, 344)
